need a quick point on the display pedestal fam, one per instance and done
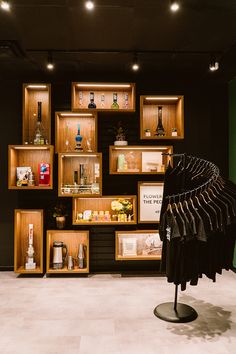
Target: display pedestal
(182, 313)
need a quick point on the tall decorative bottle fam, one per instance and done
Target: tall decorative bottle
(160, 131)
(81, 256)
(39, 129)
(30, 263)
(78, 140)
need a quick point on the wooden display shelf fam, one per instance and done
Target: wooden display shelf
(70, 162)
(150, 196)
(22, 219)
(29, 156)
(138, 159)
(67, 127)
(32, 94)
(125, 96)
(72, 239)
(138, 245)
(101, 204)
(172, 116)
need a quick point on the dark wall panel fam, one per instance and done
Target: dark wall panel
(206, 136)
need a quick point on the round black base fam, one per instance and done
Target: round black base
(183, 313)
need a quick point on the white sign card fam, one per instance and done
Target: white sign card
(150, 201)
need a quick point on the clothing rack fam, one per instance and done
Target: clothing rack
(174, 311)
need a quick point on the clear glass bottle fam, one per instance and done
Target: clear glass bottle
(160, 131)
(115, 104)
(67, 138)
(102, 100)
(30, 254)
(91, 103)
(126, 100)
(39, 138)
(81, 256)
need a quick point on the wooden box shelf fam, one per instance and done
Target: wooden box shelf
(103, 96)
(22, 219)
(138, 245)
(72, 239)
(88, 183)
(32, 94)
(29, 156)
(98, 211)
(150, 196)
(172, 116)
(138, 159)
(67, 127)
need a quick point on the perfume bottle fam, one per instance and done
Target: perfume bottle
(160, 131)
(80, 98)
(91, 103)
(102, 100)
(126, 100)
(81, 256)
(78, 140)
(115, 103)
(67, 138)
(30, 263)
(39, 129)
(76, 185)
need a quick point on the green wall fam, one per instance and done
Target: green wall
(232, 138)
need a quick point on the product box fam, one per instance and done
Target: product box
(44, 174)
(22, 176)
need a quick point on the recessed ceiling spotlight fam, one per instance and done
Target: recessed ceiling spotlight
(135, 64)
(5, 5)
(50, 65)
(214, 66)
(174, 6)
(89, 4)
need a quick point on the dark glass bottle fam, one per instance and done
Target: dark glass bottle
(160, 131)
(39, 129)
(91, 103)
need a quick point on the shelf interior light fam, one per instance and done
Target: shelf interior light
(81, 155)
(161, 98)
(76, 114)
(37, 86)
(140, 148)
(31, 147)
(105, 85)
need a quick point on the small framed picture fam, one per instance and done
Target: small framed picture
(129, 246)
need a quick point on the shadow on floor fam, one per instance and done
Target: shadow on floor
(212, 320)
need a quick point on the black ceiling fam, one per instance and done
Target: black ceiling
(104, 40)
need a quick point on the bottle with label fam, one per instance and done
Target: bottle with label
(30, 263)
(39, 129)
(76, 185)
(160, 131)
(81, 256)
(91, 103)
(126, 100)
(102, 100)
(78, 140)
(115, 104)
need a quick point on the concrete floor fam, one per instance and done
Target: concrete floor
(106, 314)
